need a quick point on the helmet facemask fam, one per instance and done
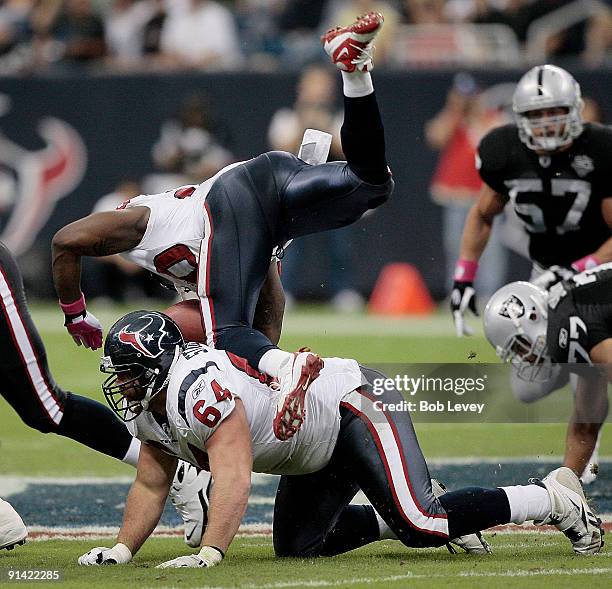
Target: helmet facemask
(122, 379)
(139, 353)
(516, 322)
(527, 352)
(547, 105)
(125, 377)
(528, 358)
(559, 129)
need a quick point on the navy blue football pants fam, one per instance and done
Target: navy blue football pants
(271, 199)
(28, 386)
(376, 452)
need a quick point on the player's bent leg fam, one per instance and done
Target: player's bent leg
(328, 196)
(363, 142)
(393, 474)
(389, 467)
(470, 543)
(312, 515)
(93, 424)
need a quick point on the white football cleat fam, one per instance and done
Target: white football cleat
(570, 512)
(12, 529)
(294, 379)
(471, 543)
(350, 48)
(189, 494)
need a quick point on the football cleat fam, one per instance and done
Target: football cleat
(294, 379)
(570, 512)
(189, 494)
(471, 543)
(12, 529)
(351, 48)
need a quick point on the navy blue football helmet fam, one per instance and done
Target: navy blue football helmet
(139, 351)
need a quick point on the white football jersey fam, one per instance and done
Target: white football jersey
(201, 394)
(170, 246)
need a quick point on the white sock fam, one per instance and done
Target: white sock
(356, 84)
(528, 502)
(386, 533)
(272, 361)
(131, 456)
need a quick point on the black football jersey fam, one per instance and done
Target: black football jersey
(558, 196)
(579, 314)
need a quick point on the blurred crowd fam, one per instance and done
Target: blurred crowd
(265, 35)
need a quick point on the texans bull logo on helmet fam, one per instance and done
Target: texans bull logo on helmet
(149, 342)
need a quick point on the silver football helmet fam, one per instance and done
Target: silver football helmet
(515, 321)
(547, 87)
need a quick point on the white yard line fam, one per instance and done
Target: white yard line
(410, 576)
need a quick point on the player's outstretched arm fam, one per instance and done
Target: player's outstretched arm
(100, 234)
(270, 306)
(144, 506)
(231, 462)
(476, 234)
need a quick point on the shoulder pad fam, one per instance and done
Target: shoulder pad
(599, 138)
(494, 147)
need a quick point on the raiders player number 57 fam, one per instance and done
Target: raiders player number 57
(554, 170)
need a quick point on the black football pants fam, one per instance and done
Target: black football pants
(28, 386)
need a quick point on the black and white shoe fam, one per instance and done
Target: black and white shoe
(470, 543)
(571, 514)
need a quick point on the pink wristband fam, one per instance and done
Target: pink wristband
(465, 270)
(586, 263)
(75, 308)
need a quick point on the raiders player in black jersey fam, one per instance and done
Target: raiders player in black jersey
(548, 335)
(554, 170)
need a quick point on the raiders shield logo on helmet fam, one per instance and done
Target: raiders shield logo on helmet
(512, 308)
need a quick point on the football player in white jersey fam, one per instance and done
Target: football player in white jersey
(29, 388)
(211, 409)
(217, 238)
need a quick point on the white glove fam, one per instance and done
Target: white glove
(207, 557)
(553, 275)
(118, 554)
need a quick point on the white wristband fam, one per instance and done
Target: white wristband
(122, 553)
(211, 555)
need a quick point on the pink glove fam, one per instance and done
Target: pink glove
(586, 263)
(84, 328)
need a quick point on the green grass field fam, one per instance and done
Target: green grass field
(520, 559)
